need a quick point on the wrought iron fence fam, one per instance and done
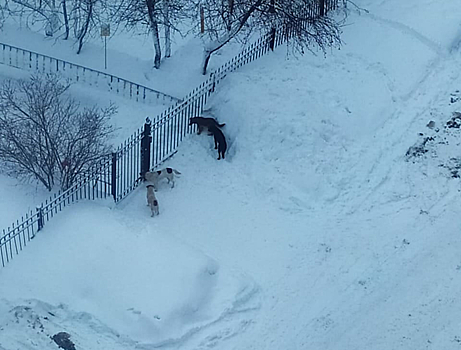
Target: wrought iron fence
(32, 61)
(95, 184)
(119, 173)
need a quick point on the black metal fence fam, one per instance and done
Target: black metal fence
(95, 185)
(147, 148)
(32, 61)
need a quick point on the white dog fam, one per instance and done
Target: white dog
(155, 176)
(151, 200)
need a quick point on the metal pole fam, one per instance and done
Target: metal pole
(40, 221)
(105, 52)
(114, 176)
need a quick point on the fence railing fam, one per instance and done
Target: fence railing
(93, 186)
(32, 61)
(151, 145)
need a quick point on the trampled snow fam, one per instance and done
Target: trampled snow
(333, 223)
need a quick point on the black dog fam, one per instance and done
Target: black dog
(205, 123)
(219, 141)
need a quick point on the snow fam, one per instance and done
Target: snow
(316, 232)
(155, 297)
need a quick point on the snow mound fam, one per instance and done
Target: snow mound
(168, 292)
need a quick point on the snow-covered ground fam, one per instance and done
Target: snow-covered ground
(333, 223)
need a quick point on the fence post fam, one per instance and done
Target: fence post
(213, 85)
(40, 221)
(114, 176)
(272, 39)
(322, 7)
(146, 140)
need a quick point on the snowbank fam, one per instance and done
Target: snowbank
(125, 270)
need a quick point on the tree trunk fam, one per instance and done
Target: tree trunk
(322, 7)
(66, 19)
(166, 14)
(76, 20)
(206, 60)
(156, 43)
(86, 25)
(224, 40)
(202, 20)
(273, 30)
(154, 29)
(230, 15)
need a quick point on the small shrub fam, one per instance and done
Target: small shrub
(45, 134)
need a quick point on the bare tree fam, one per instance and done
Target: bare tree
(40, 10)
(227, 19)
(45, 135)
(84, 18)
(84, 12)
(152, 14)
(80, 16)
(146, 13)
(153, 23)
(173, 12)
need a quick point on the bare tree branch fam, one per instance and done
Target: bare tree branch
(44, 134)
(231, 19)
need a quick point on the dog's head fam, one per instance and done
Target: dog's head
(193, 120)
(142, 176)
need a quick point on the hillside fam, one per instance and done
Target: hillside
(332, 223)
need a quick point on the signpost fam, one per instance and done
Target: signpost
(105, 32)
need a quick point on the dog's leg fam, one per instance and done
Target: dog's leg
(170, 180)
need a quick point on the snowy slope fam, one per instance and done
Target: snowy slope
(129, 56)
(316, 232)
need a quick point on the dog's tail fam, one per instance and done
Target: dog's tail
(221, 125)
(176, 172)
